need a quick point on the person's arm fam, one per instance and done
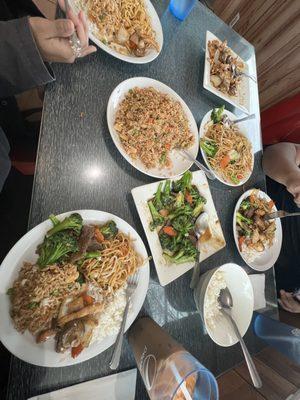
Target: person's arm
(27, 43)
(281, 163)
(21, 66)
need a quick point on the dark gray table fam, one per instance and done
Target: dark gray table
(78, 167)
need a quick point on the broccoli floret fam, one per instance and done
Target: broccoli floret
(240, 219)
(209, 147)
(157, 219)
(183, 224)
(216, 115)
(245, 205)
(73, 222)
(55, 248)
(168, 243)
(186, 253)
(157, 201)
(166, 196)
(179, 200)
(54, 219)
(109, 230)
(183, 183)
(199, 207)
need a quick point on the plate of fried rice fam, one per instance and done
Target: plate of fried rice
(151, 126)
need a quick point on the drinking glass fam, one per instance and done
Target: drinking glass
(181, 8)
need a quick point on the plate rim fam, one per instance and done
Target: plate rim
(110, 117)
(278, 228)
(26, 239)
(201, 134)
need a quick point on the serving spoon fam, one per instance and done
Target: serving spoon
(200, 227)
(226, 303)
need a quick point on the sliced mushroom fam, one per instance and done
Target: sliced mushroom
(216, 80)
(70, 336)
(45, 335)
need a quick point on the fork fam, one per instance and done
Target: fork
(131, 287)
(74, 40)
(280, 214)
(188, 156)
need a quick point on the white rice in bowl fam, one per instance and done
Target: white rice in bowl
(211, 305)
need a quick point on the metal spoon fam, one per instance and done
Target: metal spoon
(189, 157)
(200, 227)
(280, 214)
(226, 303)
(227, 122)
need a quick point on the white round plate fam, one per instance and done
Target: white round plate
(243, 128)
(150, 55)
(267, 258)
(179, 163)
(24, 346)
(241, 290)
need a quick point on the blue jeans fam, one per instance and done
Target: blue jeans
(4, 158)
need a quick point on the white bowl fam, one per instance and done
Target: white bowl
(243, 129)
(242, 100)
(43, 354)
(179, 163)
(150, 55)
(240, 287)
(267, 258)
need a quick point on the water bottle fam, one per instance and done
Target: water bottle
(169, 371)
(282, 337)
(181, 8)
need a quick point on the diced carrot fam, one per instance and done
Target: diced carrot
(241, 241)
(98, 235)
(168, 146)
(240, 176)
(76, 351)
(271, 204)
(164, 212)
(169, 230)
(88, 300)
(188, 197)
(225, 161)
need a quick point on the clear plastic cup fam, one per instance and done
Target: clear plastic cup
(168, 370)
(181, 8)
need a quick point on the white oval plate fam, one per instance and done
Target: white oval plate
(179, 163)
(243, 130)
(241, 290)
(24, 346)
(150, 55)
(267, 258)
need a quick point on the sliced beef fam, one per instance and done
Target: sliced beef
(85, 239)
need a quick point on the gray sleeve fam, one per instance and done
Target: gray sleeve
(4, 158)
(21, 66)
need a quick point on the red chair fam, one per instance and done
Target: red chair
(281, 122)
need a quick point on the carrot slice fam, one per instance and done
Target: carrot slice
(98, 235)
(225, 161)
(169, 230)
(188, 197)
(168, 146)
(88, 300)
(76, 351)
(241, 241)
